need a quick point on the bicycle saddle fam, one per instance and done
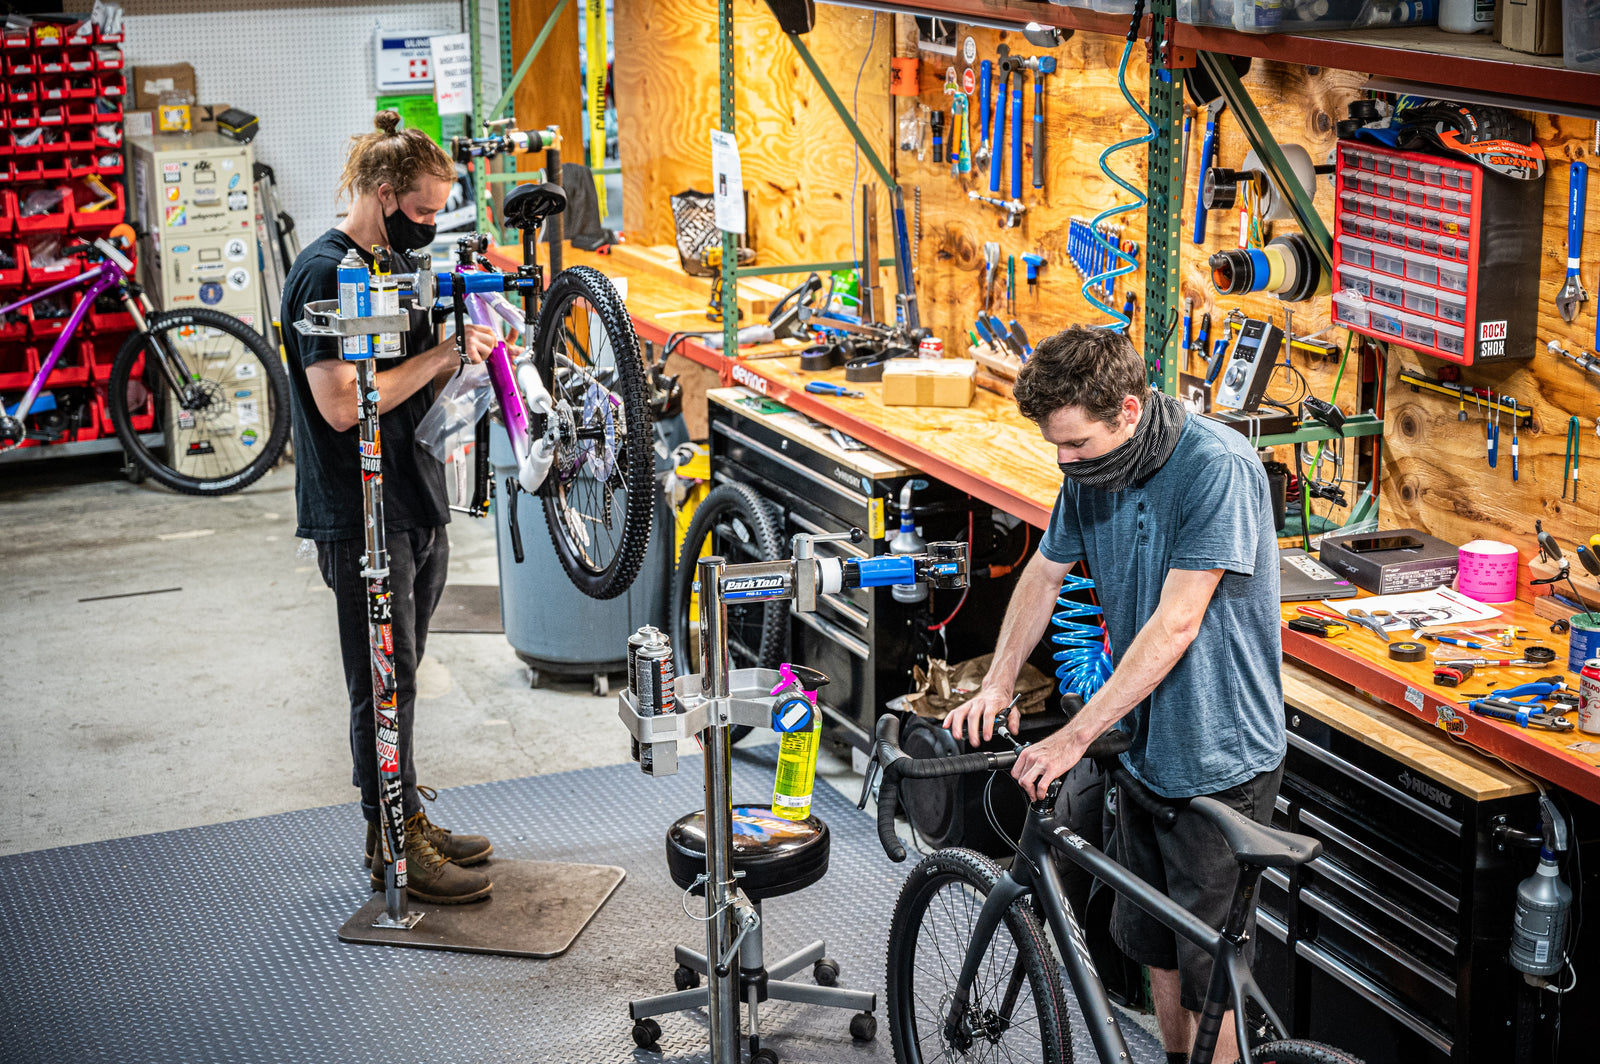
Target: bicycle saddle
(1254, 843)
(528, 205)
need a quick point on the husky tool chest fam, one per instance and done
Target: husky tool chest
(862, 639)
(1392, 944)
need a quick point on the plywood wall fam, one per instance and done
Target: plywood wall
(798, 167)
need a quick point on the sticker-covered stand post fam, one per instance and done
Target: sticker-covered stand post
(661, 711)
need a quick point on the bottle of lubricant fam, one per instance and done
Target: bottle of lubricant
(795, 718)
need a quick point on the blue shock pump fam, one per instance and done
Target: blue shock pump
(1085, 664)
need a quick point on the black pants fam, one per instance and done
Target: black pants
(418, 561)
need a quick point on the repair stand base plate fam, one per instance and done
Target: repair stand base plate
(537, 909)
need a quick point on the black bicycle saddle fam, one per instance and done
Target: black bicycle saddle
(1254, 843)
(528, 205)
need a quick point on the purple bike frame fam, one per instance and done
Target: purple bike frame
(105, 277)
(502, 376)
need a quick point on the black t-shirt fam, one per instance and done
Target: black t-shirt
(327, 481)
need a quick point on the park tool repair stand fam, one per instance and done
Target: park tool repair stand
(537, 908)
(710, 703)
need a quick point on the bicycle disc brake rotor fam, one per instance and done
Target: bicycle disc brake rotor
(599, 455)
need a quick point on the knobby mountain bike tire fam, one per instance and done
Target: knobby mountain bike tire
(233, 422)
(733, 521)
(1017, 1008)
(599, 498)
(1296, 1051)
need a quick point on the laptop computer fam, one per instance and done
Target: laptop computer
(1301, 578)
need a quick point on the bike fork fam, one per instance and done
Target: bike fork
(171, 365)
(1098, 1015)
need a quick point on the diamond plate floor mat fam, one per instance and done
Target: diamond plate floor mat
(217, 944)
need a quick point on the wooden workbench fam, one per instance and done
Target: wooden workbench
(992, 452)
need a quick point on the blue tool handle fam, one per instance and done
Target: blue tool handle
(1188, 321)
(998, 326)
(997, 131)
(887, 569)
(1578, 182)
(1038, 131)
(1016, 139)
(983, 329)
(1207, 146)
(475, 281)
(1017, 331)
(1537, 690)
(1494, 444)
(985, 73)
(1216, 362)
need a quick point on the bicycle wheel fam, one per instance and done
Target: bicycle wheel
(732, 521)
(1296, 1051)
(231, 420)
(1017, 1010)
(600, 494)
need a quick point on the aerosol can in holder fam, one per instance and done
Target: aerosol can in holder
(355, 301)
(906, 541)
(795, 718)
(1544, 906)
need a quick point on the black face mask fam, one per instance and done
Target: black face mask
(405, 233)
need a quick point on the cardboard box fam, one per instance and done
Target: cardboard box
(1532, 26)
(149, 82)
(202, 119)
(929, 381)
(1434, 564)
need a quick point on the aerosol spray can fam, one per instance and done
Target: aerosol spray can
(355, 301)
(386, 300)
(654, 672)
(906, 541)
(1589, 697)
(647, 634)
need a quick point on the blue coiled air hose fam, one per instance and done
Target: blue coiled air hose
(1085, 664)
(1122, 262)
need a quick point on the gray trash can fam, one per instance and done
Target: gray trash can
(553, 626)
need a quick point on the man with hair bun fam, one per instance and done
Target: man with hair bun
(1174, 517)
(397, 180)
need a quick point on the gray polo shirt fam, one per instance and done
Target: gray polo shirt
(1217, 719)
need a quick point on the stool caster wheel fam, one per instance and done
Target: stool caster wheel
(601, 685)
(534, 678)
(685, 977)
(826, 972)
(764, 1056)
(646, 1033)
(863, 1027)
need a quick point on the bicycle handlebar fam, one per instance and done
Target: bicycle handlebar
(897, 765)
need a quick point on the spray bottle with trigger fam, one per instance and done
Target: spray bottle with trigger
(1544, 904)
(906, 541)
(795, 718)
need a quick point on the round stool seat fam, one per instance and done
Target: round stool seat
(777, 856)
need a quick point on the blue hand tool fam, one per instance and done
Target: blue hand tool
(825, 388)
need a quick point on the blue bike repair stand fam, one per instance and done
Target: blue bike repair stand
(537, 908)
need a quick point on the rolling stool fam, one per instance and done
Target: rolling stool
(772, 856)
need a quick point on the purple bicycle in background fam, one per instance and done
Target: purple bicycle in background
(214, 390)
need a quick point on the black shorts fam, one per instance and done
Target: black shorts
(1192, 864)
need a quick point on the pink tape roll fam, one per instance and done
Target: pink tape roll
(1488, 571)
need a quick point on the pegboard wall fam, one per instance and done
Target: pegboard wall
(304, 68)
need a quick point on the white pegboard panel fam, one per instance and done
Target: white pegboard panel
(305, 68)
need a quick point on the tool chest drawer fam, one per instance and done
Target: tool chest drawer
(1392, 943)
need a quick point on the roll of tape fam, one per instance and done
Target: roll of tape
(1407, 651)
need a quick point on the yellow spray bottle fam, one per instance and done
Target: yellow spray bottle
(795, 718)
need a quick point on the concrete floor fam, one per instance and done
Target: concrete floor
(224, 698)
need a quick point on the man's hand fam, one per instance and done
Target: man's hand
(973, 720)
(480, 343)
(1042, 763)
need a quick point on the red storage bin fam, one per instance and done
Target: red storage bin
(112, 83)
(27, 142)
(81, 165)
(17, 325)
(141, 418)
(81, 86)
(77, 138)
(5, 144)
(108, 164)
(50, 112)
(21, 63)
(55, 221)
(82, 60)
(22, 116)
(8, 218)
(72, 368)
(105, 109)
(47, 87)
(102, 140)
(107, 58)
(53, 166)
(38, 276)
(7, 173)
(82, 113)
(108, 317)
(102, 37)
(104, 218)
(51, 62)
(17, 38)
(47, 326)
(80, 33)
(47, 35)
(22, 90)
(18, 365)
(26, 168)
(15, 275)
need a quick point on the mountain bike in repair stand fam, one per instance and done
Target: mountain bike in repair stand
(970, 975)
(220, 392)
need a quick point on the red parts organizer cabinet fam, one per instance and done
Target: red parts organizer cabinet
(1437, 254)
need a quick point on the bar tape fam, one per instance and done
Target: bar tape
(1407, 651)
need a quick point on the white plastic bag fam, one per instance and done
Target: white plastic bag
(450, 421)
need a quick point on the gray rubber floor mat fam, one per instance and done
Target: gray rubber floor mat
(217, 944)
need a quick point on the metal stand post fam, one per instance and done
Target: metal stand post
(720, 887)
(375, 571)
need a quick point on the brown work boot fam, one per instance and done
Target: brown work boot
(464, 850)
(431, 876)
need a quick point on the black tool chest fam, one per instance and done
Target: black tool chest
(1392, 944)
(862, 639)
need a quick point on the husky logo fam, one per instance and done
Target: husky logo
(1417, 785)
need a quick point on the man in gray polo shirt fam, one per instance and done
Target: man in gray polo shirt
(1173, 516)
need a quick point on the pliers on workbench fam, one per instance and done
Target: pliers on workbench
(1528, 714)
